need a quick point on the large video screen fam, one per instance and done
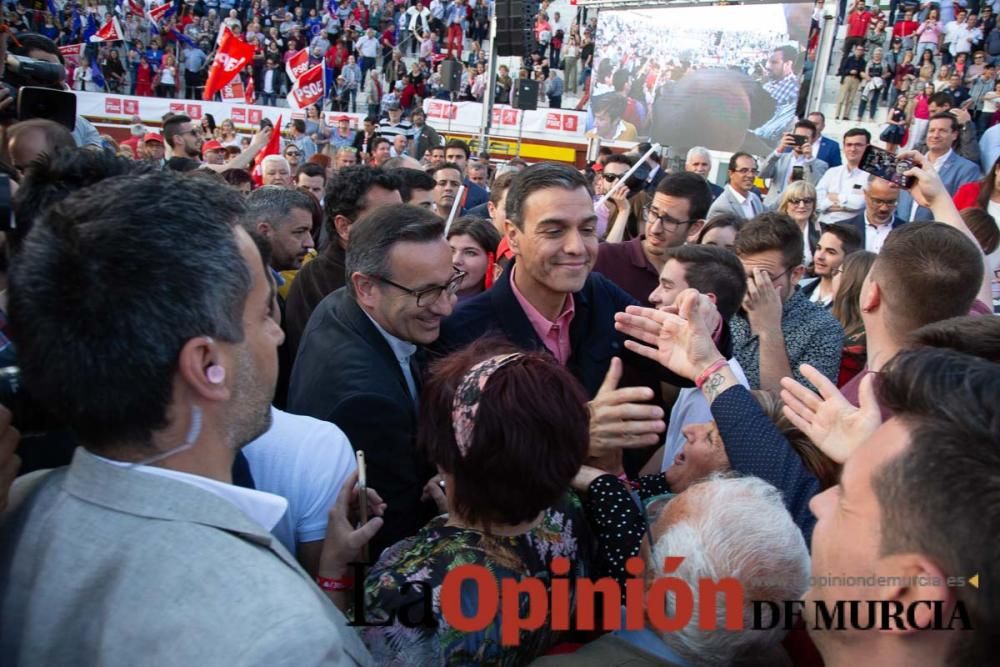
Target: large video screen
(724, 77)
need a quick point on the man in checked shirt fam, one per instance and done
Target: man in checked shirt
(783, 86)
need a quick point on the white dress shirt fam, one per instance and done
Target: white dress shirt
(402, 350)
(848, 186)
(745, 203)
(875, 235)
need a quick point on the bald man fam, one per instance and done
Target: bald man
(30, 139)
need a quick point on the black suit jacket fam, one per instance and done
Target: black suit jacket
(346, 373)
(429, 138)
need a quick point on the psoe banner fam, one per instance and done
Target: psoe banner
(553, 124)
(102, 107)
(450, 117)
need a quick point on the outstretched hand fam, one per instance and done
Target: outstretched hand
(681, 343)
(619, 418)
(828, 419)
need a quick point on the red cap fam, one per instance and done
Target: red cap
(152, 136)
(344, 117)
(212, 145)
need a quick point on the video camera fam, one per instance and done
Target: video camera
(37, 88)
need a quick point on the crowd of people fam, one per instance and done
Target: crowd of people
(270, 397)
(375, 53)
(914, 57)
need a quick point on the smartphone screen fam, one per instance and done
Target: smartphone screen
(884, 164)
(798, 173)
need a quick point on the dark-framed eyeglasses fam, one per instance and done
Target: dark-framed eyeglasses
(802, 200)
(668, 223)
(429, 295)
(611, 178)
(747, 170)
(293, 153)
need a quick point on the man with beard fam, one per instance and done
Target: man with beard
(165, 373)
(676, 213)
(184, 139)
(284, 217)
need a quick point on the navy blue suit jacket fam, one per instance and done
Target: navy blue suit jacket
(475, 195)
(858, 222)
(829, 152)
(593, 337)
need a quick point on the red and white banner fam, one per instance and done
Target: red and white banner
(297, 65)
(558, 124)
(233, 92)
(72, 52)
(233, 55)
(309, 88)
(109, 32)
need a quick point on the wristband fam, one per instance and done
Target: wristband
(340, 584)
(703, 378)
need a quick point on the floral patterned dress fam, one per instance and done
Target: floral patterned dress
(434, 551)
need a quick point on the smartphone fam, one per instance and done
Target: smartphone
(798, 173)
(362, 496)
(798, 139)
(884, 164)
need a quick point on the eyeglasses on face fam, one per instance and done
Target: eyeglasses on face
(668, 223)
(747, 170)
(429, 296)
(293, 153)
(802, 200)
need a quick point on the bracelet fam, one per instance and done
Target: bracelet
(703, 378)
(340, 584)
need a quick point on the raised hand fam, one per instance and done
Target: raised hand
(343, 542)
(834, 425)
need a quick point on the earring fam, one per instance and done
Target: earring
(215, 374)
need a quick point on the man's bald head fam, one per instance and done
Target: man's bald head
(29, 139)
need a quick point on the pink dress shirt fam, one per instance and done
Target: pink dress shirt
(555, 335)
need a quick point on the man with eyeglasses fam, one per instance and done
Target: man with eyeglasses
(351, 192)
(301, 140)
(879, 217)
(293, 155)
(738, 196)
(779, 329)
(676, 214)
(358, 362)
(840, 193)
(184, 139)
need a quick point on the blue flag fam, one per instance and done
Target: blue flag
(52, 9)
(181, 37)
(91, 27)
(97, 77)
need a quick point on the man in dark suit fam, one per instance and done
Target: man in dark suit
(350, 193)
(550, 300)
(456, 151)
(357, 364)
(699, 161)
(879, 217)
(827, 150)
(424, 136)
(656, 172)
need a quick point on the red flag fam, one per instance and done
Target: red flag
(137, 7)
(297, 65)
(308, 90)
(109, 32)
(273, 147)
(72, 52)
(157, 14)
(251, 94)
(233, 55)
